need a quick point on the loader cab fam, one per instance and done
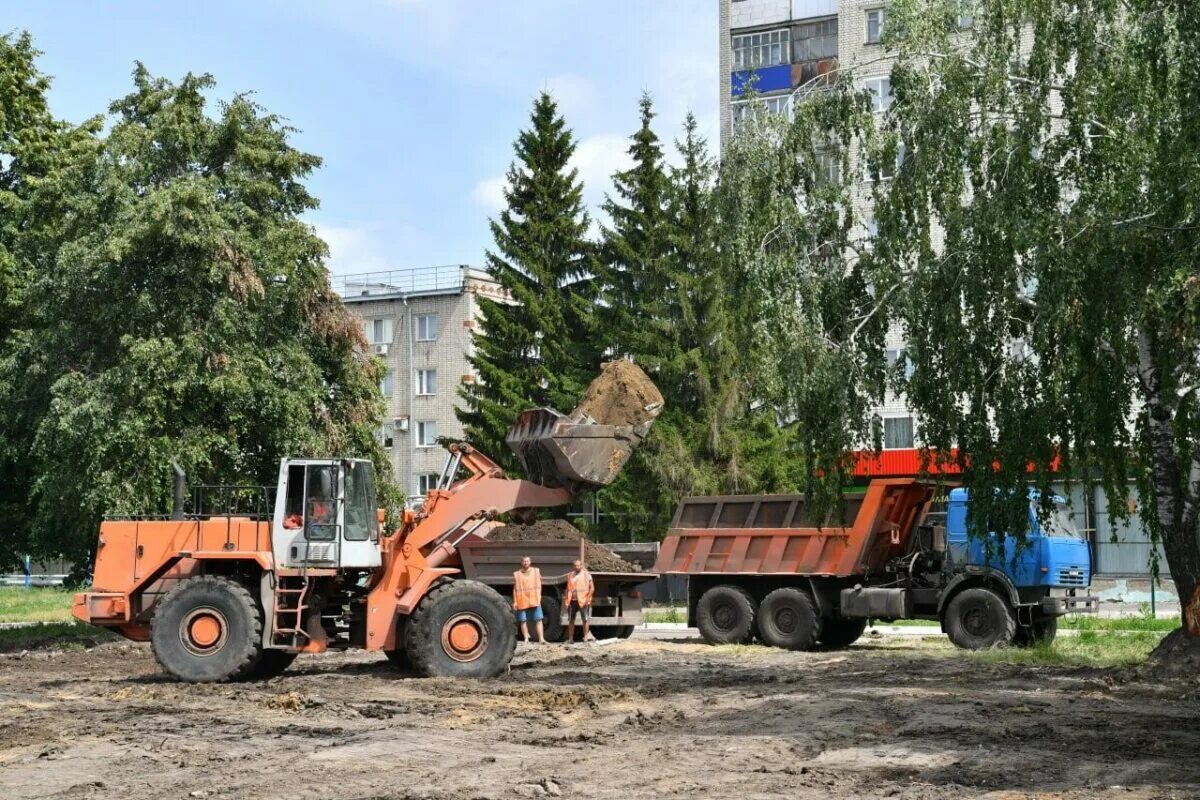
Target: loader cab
(326, 515)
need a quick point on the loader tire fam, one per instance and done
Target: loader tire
(207, 629)
(841, 632)
(788, 619)
(725, 615)
(979, 619)
(460, 629)
(399, 659)
(272, 664)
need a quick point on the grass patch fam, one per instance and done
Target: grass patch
(665, 614)
(59, 635)
(1141, 623)
(39, 604)
(1091, 648)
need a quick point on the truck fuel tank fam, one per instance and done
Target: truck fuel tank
(876, 603)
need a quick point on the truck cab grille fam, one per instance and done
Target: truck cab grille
(1072, 576)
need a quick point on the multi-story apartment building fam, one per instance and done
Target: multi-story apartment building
(419, 321)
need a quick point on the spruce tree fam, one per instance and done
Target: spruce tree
(535, 347)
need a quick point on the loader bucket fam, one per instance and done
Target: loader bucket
(580, 451)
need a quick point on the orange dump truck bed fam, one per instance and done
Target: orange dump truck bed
(773, 534)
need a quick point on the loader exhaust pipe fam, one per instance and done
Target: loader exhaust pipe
(180, 491)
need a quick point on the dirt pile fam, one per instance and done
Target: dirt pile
(621, 395)
(598, 557)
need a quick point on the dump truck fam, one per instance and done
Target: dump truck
(249, 577)
(764, 566)
(616, 604)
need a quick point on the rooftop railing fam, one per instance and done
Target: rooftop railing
(446, 278)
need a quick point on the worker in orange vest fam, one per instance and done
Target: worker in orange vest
(527, 598)
(580, 589)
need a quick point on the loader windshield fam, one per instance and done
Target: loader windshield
(362, 519)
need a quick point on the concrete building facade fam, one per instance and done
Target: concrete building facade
(420, 322)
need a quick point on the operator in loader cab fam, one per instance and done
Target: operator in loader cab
(527, 598)
(580, 589)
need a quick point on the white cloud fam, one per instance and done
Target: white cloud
(576, 96)
(353, 248)
(489, 194)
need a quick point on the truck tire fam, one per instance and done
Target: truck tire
(725, 615)
(207, 629)
(1043, 631)
(838, 632)
(460, 629)
(978, 619)
(788, 618)
(552, 625)
(272, 664)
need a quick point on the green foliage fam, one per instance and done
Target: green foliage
(1050, 204)
(36, 604)
(536, 347)
(806, 324)
(175, 307)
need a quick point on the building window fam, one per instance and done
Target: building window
(387, 434)
(427, 482)
(876, 18)
(815, 41)
(899, 354)
(897, 433)
(385, 383)
(426, 327)
(966, 14)
(427, 433)
(426, 381)
(766, 49)
(887, 167)
(779, 105)
(872, 230)
(881, 94)
(378, 331)
(829, 168)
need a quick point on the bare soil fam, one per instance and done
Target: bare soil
(620, 395)
(598, 557)
(628, 720)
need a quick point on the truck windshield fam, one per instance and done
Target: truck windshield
(1061, 523)
(362, 520)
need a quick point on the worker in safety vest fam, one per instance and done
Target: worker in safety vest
(580, 589)
(527, 598)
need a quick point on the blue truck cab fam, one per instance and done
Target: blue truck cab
(1043, 579)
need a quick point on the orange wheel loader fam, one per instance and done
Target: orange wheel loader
(249, 577)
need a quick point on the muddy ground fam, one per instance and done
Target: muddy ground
(638, 718)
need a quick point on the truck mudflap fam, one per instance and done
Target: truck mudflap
(1070, 604)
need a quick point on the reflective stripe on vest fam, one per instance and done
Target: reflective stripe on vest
(525, 589)
(580, 588)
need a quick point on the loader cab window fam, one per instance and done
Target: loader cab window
(320, 503)
(362, 517)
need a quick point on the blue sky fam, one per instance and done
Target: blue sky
(413, 104)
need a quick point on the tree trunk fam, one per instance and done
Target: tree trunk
(1177, 505)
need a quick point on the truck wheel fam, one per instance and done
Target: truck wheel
(552, 625)
(978, 618)
(841, 632)
(1042, 631)
(725, 615)
(272, 663)
(207, 629)
(788, 618)
(460, 629)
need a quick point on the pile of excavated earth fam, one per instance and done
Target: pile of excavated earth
(597, 557)
(620, 395)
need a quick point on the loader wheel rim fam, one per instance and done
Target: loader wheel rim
(464, 636)
(203, 631)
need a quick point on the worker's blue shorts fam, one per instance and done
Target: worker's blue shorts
(535, 613)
